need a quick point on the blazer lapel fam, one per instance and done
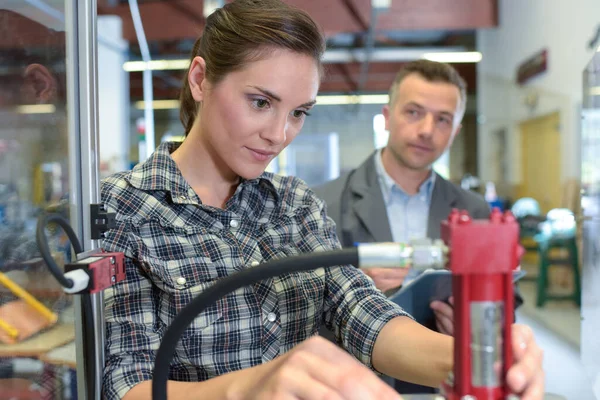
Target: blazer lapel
(368, 205)
(443, 199)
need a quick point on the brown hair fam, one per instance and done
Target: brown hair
(431, 71)
(243, 31)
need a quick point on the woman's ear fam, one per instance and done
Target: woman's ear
(197, 78)
(41, 83)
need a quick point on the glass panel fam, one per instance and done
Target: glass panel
(590, 203)
(36, 333)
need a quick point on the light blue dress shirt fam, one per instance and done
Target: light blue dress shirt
(408, 215)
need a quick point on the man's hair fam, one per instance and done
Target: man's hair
(432, 71)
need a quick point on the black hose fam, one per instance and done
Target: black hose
(89, 339)
(303, 262)
(86, 300)
(42, 243)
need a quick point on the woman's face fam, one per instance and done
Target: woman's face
(251, 115)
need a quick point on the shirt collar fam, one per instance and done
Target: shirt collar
(160, 173)
(388, 184)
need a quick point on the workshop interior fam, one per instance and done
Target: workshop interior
(89, 88)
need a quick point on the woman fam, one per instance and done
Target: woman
(205, 209)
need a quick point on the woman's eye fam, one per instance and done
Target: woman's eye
(299, 113)
(260, 103)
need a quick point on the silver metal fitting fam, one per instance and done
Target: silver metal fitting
(428, 254)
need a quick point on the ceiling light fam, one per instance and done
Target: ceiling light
(594, 91)
(211, 6)
(159, 104)
(454, 57)
(381, 4)
(326, 100)
(36, 109)
(442, 54)
(353, 99)
(156, 65)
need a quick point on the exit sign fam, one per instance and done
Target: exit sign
(532, 67)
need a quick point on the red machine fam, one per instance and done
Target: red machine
(483, 256)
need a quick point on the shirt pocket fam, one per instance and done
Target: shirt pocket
(303, 298)
(180, 281)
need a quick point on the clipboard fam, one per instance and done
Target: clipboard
(431, 285)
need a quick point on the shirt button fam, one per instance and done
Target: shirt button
(234, 223)
(254, 263)
(181, 281)
(271, 317)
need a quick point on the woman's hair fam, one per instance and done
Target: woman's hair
(244, 31)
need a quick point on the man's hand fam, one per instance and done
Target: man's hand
(444, 315)
(315, 369)
(387, 278)
(526, 376)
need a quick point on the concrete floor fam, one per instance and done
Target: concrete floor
(557, 328)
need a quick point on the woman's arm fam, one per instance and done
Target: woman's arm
(410, 352)
(315, 369)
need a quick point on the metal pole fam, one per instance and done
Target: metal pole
(81, 25)
(88, 89)
(75, 201)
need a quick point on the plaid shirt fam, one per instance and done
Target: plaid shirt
(176, 247)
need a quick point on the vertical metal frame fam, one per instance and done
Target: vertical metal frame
(82, 103)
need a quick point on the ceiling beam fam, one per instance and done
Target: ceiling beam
(162, 22)
(356, 14)
(439, 15)
(347, 77)
(186, 11)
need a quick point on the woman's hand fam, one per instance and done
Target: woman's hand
(315, 369)
(526, 376)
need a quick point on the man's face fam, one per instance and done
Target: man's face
(422, 120)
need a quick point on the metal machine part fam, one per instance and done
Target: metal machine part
(419, 255)
(483, 257)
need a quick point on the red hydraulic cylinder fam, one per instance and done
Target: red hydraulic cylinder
(483, 256)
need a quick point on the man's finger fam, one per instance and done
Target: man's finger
(445, 325)
(442, 308)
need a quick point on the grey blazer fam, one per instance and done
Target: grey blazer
(355, 202)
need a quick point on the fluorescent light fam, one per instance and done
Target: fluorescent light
(156, 65)
(159, 104)
(594, 91)
(211, 6)
(396, 54)
(454, 57)
(381, 4)
(36, 109)
(359, 99)
(321, 100)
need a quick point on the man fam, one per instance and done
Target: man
(395, 195)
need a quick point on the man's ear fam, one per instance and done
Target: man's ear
(386, 114)
(41, 83)
(197, 78)
(456, 132)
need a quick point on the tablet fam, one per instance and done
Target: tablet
(431, 285)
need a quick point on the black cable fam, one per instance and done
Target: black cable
(89, 338)
(42, 242)
(86, 300)
(303, 262)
